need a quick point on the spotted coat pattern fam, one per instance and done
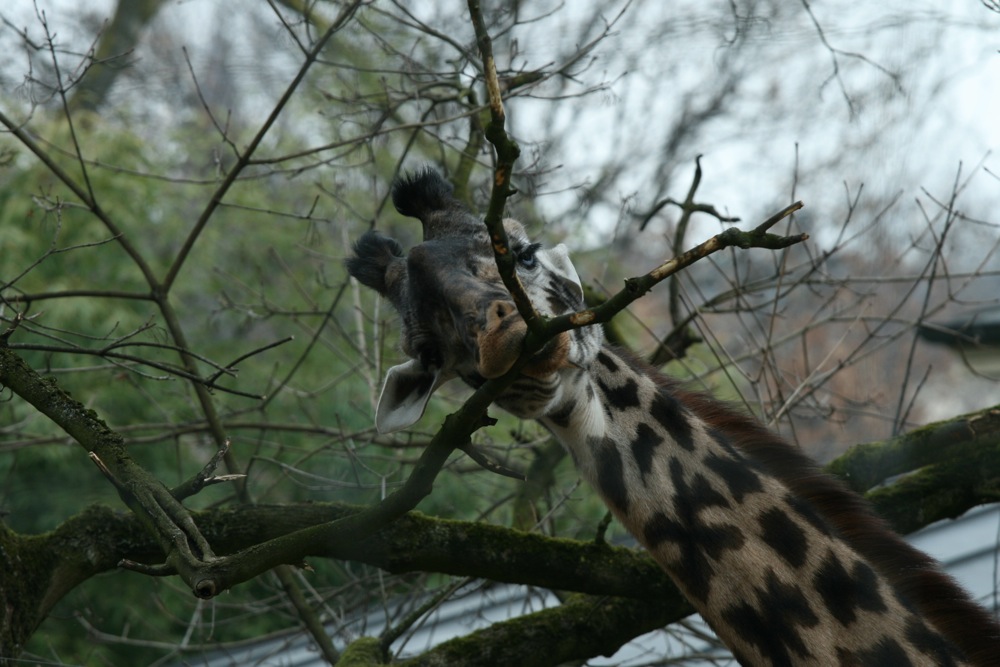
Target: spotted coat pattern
(787, 565)
(772, 576)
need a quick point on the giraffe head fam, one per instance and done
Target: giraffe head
(458, 320)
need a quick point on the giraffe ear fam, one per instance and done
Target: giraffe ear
(405, 393)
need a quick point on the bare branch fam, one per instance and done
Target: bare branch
(152, 503)
(345, 15)
(636, 287)
(205, 476)
(507, 152)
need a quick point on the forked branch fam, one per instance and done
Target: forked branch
(540, 331)
(156, 508)
(759, 237)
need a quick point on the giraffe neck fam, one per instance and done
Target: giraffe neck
(767, 568)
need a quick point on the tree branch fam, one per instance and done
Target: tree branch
(507, 152)
(759, 237)
(39, 570)
(345, 14)
(185, 548)
(946, 468)
(579, 628)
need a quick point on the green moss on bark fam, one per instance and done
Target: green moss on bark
(362, 652)
(867, 465)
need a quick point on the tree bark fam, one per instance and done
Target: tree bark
(935, 472)
(958, 461)
(949, 467)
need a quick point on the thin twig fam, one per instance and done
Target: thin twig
(204, 477)
(244, 159)
(228, 368)
(489, 464)
(638, 286)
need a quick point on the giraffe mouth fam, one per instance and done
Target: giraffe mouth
(499, 344)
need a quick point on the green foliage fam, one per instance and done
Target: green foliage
(267, 266)
(252, 278)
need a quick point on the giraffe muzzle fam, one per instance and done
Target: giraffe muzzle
(501, 341)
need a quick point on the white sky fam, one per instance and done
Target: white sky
(960, 123)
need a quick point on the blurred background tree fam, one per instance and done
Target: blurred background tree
(181, 182)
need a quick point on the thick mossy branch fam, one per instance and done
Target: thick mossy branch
(362, 652)
(941, 491)
(957, 464)
(44, 394)
(576, 630)
(867, 465)
(938, 471)
(163, 515)
(36, 571)
(419, 543)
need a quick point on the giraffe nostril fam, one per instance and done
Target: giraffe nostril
(498, 312)
(499, 339)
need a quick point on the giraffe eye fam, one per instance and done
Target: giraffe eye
(527, 257)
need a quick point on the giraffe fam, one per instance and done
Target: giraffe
(786, 564)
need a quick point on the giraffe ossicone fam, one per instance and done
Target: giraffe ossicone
(786, 564)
